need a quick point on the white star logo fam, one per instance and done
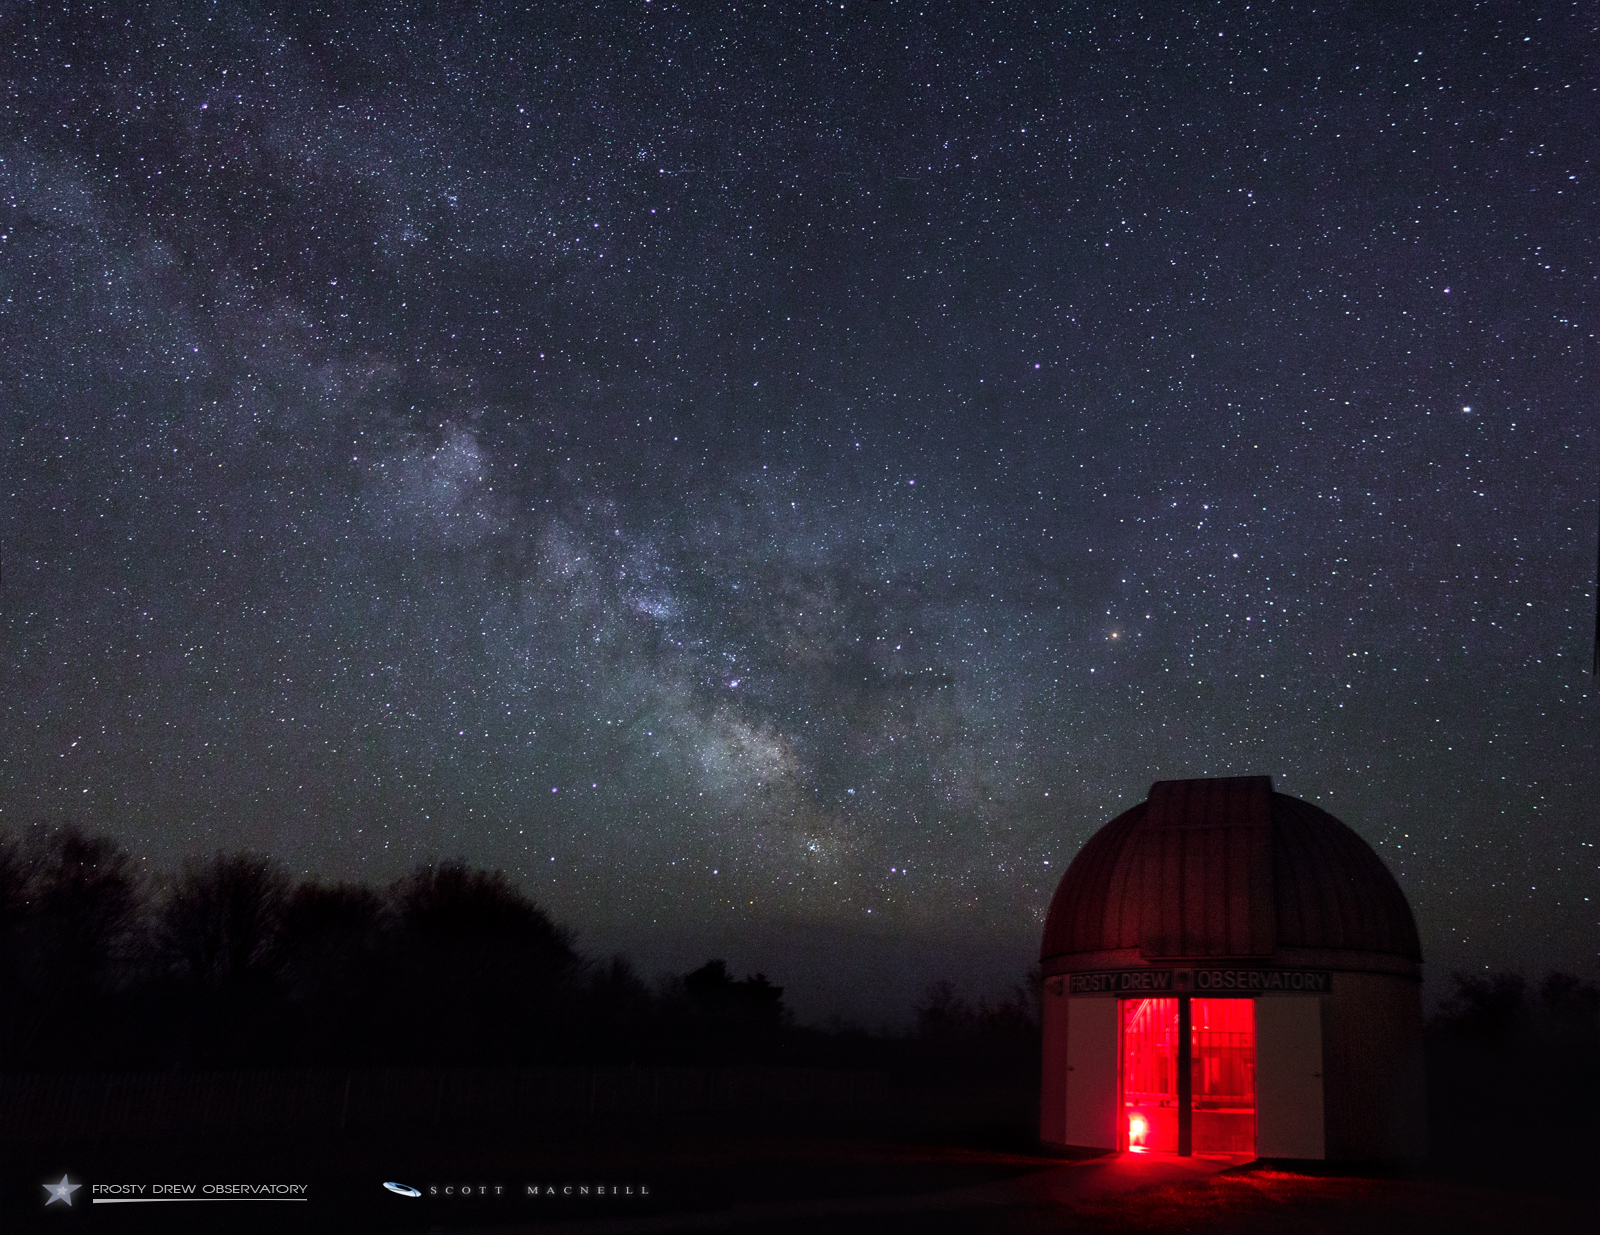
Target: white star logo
(62, 1191)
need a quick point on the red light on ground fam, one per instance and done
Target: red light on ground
(1138, 1129)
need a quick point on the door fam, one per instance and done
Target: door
(1149, 1058)
(1092, 1073)
(1289, 1028)
(1218, 1106)
(1223, 1070)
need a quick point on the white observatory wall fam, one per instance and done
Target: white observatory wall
(1053, 1066)
(1092, 1072)
(1289, 1114)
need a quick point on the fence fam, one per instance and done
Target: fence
(61, 1108)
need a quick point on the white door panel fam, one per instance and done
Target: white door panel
(1092, 1073)
(1289, 1119)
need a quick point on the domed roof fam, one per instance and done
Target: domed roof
(1227, 868)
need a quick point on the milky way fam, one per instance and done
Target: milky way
(775, 480)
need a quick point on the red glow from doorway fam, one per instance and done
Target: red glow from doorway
(1150, 1073)
(1223, 1064)
(1222, 1071)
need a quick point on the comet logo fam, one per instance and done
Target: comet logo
(402, 1189)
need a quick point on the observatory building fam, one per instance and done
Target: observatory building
(1232, 970)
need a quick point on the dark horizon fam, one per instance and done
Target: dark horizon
(229, 966)
(775, 482)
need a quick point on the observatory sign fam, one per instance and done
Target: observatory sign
(1253, 981)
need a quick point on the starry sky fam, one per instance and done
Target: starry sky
(775, 478)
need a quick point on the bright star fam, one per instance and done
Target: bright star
(62, 1191)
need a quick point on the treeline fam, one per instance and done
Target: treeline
(230, 963)
(1511, 1054)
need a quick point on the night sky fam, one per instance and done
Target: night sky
(774, 479)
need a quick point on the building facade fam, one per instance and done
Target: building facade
(1232, 970)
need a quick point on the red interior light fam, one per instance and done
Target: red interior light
(1222, 1065)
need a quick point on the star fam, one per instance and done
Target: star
(62, 1191)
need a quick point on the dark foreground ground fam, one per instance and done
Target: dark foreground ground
(931, 1162)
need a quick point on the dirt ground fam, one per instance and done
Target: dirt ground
(1256, 1198)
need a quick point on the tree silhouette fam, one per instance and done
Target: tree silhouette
(956, 1036)
(222, 920)
(232, 965)
(711, 1017)
(943, 1015)
(333, 967)
(481, 918)
(481, 971)
(620, 1016)
(754, 1001)
(330, 937)
(215, 997)
(1502, 1053)
(68, 909)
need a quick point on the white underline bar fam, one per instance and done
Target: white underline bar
(172, 1200)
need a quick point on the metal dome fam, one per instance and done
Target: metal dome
(1227, 868)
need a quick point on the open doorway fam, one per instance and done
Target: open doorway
(1224, 1071)
(1149, 1075)
(1215, 1112)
